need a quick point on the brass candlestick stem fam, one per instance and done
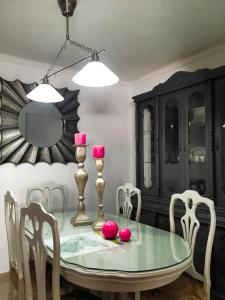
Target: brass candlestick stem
(81, 177)
(100, 187)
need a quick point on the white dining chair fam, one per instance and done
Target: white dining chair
(190, 227)
(51, 196)
(38, 216)
(125, 204)
(13, 235)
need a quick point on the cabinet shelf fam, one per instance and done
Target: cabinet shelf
(196, 124)
(196, 162)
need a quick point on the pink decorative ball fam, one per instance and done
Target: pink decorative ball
(110, 229)
(125, 234)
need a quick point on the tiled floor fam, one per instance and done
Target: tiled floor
(13, 289)
(10, 287)
(182, 289)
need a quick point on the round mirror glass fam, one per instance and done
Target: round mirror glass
(41, 124)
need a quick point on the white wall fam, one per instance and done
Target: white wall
(209, 58)
(105, 115)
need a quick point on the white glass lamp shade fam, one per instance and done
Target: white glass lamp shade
(95, 74)
(45, 93)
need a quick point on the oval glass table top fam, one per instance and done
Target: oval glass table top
(41, 124)
(149, 249)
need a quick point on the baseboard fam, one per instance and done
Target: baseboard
(4, 275)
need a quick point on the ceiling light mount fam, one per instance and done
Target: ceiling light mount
(45, 80)
(67, 7)
(95, 56)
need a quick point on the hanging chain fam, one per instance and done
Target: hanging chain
(59, 54)
(82, 47)
(73, 43)
(63, 47)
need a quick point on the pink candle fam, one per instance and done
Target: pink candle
(80, 138)
(98, 151)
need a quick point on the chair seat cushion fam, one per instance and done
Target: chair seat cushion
(184, 288)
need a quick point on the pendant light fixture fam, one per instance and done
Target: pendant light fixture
(44, 92)
(94, 74)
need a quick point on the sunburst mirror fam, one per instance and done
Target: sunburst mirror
(35, 132)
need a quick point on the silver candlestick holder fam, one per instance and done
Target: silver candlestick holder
(81, 177)
(100, 187)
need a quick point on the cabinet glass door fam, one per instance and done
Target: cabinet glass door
(148, 145)
(223, 157)
(147, 171)
(171, 132)
(171, 174)
(219, 87)
(198, 140)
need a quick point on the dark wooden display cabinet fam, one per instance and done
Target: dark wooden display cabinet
(180, 135)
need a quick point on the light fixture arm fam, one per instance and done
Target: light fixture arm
(82, 47)
(74, 43)
(76, 63)
(63, 47)
(58, 55)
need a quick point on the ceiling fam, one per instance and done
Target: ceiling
(139, 36)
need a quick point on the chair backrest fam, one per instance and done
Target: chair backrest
(190, 226)
(46, 196)
(129, 190)
(37, 216)
(12, 231)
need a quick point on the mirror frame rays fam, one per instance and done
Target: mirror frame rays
(13, 146)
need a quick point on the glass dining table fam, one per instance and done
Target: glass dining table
(152, 258)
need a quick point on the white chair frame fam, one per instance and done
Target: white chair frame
(127, 207)
(37, 215)
(129, 190)
(13, 233)
(47, 200)
(190, 226)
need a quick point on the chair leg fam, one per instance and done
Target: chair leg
(111, 296)
(20, 271)
(108, 296)
(21, 290)
(104, 295)
(137, 296)
(122, 296)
